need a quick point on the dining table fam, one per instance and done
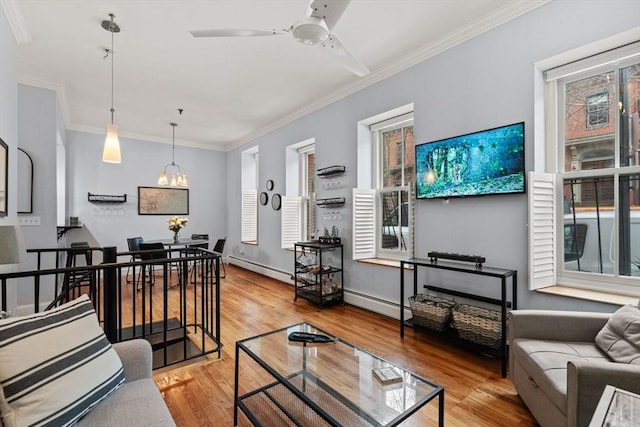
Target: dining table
(181, 242)
(172, 244)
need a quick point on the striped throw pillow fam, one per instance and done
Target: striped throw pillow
(55, 366)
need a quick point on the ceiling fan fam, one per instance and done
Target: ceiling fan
(313, 29)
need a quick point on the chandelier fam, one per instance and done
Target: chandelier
(178, 177)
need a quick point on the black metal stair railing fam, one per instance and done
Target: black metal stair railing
(175, 305)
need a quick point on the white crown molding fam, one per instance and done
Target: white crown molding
(512, 10)
(507, 13)
(16, 21)
(59, 89)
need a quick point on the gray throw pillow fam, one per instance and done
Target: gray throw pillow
(620, 337)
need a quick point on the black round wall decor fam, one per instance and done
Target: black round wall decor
(276, 202)
(264, 198)
(269, 184)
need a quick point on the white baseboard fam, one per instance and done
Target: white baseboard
(282, 276)
(357, 299)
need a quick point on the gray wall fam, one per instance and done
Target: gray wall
(9, 129)
(141, 164)
(39, 125)
(38, 130)
(9, 110)
(485, 82)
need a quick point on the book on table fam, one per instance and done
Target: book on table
(387, 375)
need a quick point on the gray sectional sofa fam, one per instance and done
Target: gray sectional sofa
(557, 368)
(137, 402)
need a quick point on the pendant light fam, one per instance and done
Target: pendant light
(178, 177)
(111, 151)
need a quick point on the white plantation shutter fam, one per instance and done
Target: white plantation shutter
(291, 224)
(542, 230)
(364, 223)
(249, 232)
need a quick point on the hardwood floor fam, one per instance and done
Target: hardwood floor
(201, 394)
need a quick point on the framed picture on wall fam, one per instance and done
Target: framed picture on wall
(4, 177)
(163, 201)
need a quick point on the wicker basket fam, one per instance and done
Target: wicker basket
(477, 324)
(430, 311)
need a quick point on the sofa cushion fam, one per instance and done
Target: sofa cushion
(55, 365)
(620, 337)
(136, 403)
(546, 363)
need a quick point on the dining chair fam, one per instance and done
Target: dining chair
(149, 252)
(219, 247)
(133, 243)
(198, 245)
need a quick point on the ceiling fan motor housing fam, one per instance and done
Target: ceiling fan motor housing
(311, 30)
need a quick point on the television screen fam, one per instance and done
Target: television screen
(476, 164)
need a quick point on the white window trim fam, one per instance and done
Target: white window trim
(306, 198)
(366, 203)
(290, 225)
(249, 232)
(542, 229)
(396, 254)
(294, 204)
(542, 273)
(364, 223)
(249, 195)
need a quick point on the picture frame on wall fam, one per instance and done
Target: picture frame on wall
(163, 201)
(4, 177)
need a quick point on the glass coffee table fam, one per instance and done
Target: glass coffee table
(288, 383)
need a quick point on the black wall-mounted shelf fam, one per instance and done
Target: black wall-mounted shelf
(331, 202)
(331, 171)
(106, 198)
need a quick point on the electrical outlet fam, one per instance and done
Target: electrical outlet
(30, 220)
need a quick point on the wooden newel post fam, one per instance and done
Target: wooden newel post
(109, 255)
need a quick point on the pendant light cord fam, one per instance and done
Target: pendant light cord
(173, 144)
(112, 30)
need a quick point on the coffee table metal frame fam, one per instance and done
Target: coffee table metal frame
(306, 379)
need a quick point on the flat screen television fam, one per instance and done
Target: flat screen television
(476, 164)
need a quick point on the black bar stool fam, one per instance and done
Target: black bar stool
(74, 281)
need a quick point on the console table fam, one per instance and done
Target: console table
(498, 273)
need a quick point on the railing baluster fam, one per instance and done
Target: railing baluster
(193, 309)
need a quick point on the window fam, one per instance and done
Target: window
(298, 219)
(249, 203)
(308, 191)
(383, 217)
(596, 176)
(598, 109)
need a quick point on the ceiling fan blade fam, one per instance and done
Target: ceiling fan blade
(329, 10)
(337, 51)
(234, 32)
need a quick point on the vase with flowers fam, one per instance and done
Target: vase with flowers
(176, 224)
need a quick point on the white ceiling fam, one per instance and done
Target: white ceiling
(231, 89)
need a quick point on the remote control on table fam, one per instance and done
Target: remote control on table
(309, 337)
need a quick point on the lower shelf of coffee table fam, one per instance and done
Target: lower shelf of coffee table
(276, 405)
